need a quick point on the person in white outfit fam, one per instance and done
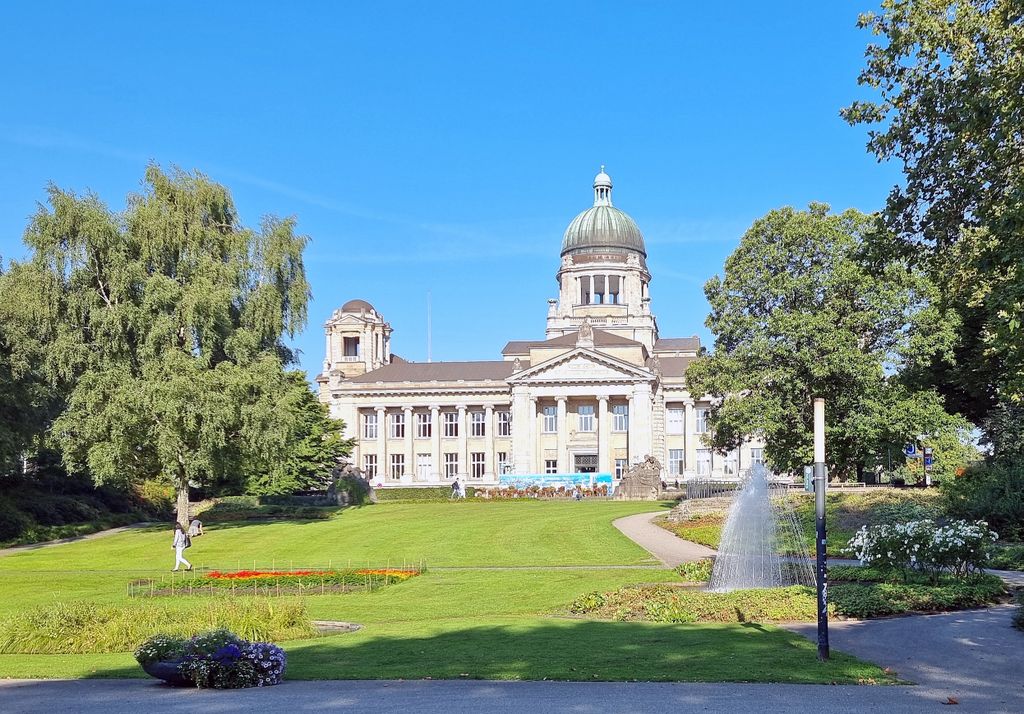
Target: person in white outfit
(181, 542)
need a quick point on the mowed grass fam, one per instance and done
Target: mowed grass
(491, 617)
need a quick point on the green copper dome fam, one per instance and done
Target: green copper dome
(603, 226)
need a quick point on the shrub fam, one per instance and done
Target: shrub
(1009, 556)
(429, 493)
(85, 627)
(12, 521)
(696, 572)
(880, 599)
(1018, 617)
(958, 547)
(993, 491)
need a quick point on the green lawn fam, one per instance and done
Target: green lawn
(492, 617)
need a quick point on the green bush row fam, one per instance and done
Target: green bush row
(992, 492)
(234, 511)
(661, 603)
(84, 627)
(863, 600)
(428, 493)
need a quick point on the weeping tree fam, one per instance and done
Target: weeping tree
(164, 325)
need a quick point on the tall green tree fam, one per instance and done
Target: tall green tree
(164, 324)
(314, 449)
(808, 308)
(950, 80)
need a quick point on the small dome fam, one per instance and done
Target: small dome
(357, 306)
(602, 179)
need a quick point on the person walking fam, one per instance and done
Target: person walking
(181, 542)
(455, 489)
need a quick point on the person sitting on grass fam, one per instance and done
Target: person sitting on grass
(181, 542)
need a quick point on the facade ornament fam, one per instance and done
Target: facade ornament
(586, 334)
(517, 365)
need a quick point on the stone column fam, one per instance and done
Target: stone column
(489, 469)
(435, 442)
(535, 430)
(640, 442)
(463, 444)
(410, 452)
(604, 463)
(522, 452)
(561, 427)
(382, 444)
(690, 439)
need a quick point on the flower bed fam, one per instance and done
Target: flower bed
(274, 582)
(362, 576)
(218, 659)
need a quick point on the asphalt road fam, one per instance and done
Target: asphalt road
(465, 697)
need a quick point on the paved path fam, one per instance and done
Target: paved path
(473, 697)
(974, 656)
(667, 547)
(73, 539)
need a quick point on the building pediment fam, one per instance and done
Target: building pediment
(581, 365)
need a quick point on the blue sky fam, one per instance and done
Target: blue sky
(444, 147)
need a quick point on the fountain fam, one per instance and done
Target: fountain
(761, 523)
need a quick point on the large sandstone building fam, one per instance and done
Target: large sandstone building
(601, 391)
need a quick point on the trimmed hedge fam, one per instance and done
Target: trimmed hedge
(428, 493)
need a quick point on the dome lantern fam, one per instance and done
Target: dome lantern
(602, 189)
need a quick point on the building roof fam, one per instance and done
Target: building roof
(683, 344)
(603, 225)
(402, 371)
(601, 339)
(674, 366)
(357, 306)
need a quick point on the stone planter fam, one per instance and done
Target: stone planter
(167, 671)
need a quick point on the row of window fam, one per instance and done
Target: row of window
(587, 422)
(705, 461)
(425, 465)
(477, 463)
(425, 427)
(675, 421)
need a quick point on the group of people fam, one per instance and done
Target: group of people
(183, 540)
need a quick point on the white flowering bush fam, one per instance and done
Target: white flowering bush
(958, 548)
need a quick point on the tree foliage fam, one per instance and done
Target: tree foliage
(807, 307)
(314, 449)
(164, 324)
(950, 75)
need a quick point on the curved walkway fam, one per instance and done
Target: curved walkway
(74, 539)
(667, 547)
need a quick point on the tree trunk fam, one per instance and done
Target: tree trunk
(183, 518)
(860, 473)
